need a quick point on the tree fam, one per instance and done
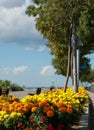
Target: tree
(89, 78)
(55, 20)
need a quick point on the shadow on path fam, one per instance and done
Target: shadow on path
(91, 114)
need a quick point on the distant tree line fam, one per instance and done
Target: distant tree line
(11, 86)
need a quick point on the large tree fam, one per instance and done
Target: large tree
(55, 20)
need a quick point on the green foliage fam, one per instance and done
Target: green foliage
(4, 84)
(89, 76)
(54, 19)
(10, 86)
(16, 88)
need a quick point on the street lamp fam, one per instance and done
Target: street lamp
(76, 44)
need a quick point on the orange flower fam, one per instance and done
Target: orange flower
(5, 109)
(25, 109)
(45, 109)
(17, 105)
(30, 105)
(0, 106)
(19, 109)
(43, 103)
(69, 110)
(14, 98)
(11, 109)
(34, 109)
(35, 104)
(62, 109)
(51, 108)
(50, 113)
(60, 104)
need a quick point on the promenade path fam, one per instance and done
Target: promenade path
(21, 94)
(91, 111)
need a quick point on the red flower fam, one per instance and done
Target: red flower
(60, 127)
(50, 127)
(20, 124)
(26, 129)
(31, 119)
(43, 118)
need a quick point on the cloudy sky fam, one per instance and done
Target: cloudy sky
(24, 57)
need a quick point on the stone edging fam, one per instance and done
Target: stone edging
(83, 124)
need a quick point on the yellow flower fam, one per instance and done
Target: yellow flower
(13, 114)
(19, 114)
(1, 118)
(6, 116)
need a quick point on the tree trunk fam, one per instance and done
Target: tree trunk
(68, 69)
(69, 62)
(72, 68)
(73, 38)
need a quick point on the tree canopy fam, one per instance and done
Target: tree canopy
(54, 19)
(89, 78)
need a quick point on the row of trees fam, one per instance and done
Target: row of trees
(56, 20)
(6, 84)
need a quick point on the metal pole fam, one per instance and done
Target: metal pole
(75, 88)
(78, 63)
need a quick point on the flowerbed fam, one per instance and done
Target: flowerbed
(51, 110)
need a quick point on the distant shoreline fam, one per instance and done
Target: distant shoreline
(21, 94)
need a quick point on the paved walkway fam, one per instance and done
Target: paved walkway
(91, 111)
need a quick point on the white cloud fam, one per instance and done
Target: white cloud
(17, 27)
(48, 70)
(38, 48)
(20, 69)
(15, 70)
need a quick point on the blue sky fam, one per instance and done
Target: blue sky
(24, 57)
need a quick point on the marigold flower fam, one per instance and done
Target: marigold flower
(24, 109)
(11, 109)
(69, 110)
(45, 109)
(62, 109)
(50, 113)
(43, 103)
(5, 109)
(6, 116)
(34, 109)
(19, 114)
(14, 98)
(60, 104)
(30, 105)
(13, 114)
(35, 104)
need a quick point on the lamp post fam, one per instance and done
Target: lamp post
(73, 41)
(76, 44)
